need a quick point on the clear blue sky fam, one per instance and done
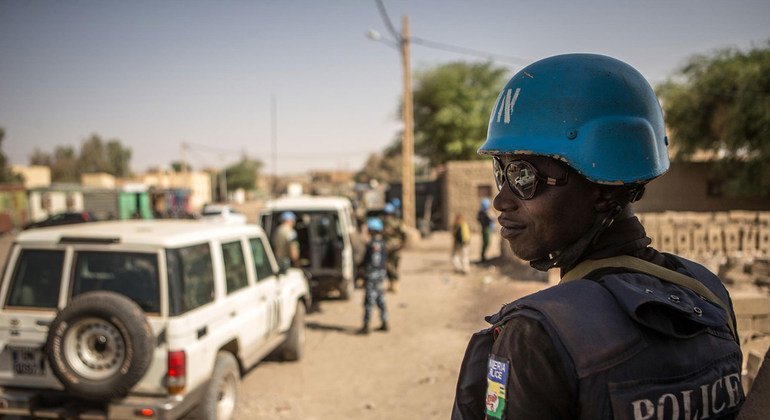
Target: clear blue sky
(154, 74)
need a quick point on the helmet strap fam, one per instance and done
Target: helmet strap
(568, 257)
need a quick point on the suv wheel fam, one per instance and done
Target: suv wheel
(100, 345)
(292, 348)
(222, 393)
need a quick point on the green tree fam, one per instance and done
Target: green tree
(452, 103)
(65, 166)
(111, 157)
(243, 174)
(6, 175)
(384, 167)
(721, 103)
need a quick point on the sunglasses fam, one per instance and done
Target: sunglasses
(522, 178)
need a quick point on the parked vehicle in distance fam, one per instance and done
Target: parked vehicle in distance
(222, 213)
(142, 319)
(67, 218)
(330, 246)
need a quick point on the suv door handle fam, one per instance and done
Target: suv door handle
(202, 331)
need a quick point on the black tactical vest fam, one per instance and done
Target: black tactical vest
(633, 347)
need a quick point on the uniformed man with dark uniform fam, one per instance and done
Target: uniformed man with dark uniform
(629, 332)
(395, 238)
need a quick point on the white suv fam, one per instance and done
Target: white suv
(330, 246)
(142, 319)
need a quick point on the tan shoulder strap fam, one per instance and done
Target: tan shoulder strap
(626, 261)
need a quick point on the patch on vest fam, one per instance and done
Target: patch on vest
(707, 394)
(497, 378)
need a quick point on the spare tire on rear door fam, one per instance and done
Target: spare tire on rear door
(100, 345)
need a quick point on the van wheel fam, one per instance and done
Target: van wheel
(221, 396)
(292, 348)
(100, 345)
(347, 288)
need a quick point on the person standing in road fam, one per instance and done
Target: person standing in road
(461, 239)
(487, 224)
(629, 332)
(374, 275)
(395, 238)
(285, 242)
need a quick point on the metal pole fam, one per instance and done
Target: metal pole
(407, 144)
(274, 138)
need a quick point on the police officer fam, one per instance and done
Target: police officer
(486, 224)
(374, 275)
(629, 333)
(395, 237)
(285, 242)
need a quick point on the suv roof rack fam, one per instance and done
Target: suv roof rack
(89, 240)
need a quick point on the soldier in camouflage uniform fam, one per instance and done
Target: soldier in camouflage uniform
(395, 237)
(374, 274)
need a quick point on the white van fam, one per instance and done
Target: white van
(142, 319)
(330, 246)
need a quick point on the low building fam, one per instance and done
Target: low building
(35, 176)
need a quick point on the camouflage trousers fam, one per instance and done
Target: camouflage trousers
(373, 294)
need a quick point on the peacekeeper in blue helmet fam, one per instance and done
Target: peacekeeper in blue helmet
(629, 332)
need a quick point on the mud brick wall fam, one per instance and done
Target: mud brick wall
(465, 184)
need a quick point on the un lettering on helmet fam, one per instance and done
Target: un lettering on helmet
(596, 113)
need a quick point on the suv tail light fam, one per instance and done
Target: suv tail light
(175, 376)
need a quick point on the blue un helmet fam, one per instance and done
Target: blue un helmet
(389, 209)
(287, 215)
(374, 224)
(595, 112)
(485, 203)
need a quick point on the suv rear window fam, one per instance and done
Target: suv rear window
(36, 279)
(132, 274)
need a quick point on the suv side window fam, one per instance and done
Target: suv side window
(235, 266)
(261, 263)
(36, 279)
(190, 278)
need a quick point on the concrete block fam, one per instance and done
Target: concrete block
(751, 304)
(683, 239)
(732, 235)
(716, 242)
(667, 238)
(700, 240)
(763, 240)
(749, 236)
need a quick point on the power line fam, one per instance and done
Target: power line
(469, 51)
(386, 19)
(443, 46)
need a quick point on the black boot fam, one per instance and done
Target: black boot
(384, 326)
(364, 330)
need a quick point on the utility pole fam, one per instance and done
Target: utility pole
(407, 143)
(274, 141)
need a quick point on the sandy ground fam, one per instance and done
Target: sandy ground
(409, 372)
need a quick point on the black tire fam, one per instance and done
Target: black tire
(221, 396)
(293, 348)
(100, 345)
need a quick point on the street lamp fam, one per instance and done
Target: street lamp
(407, 144)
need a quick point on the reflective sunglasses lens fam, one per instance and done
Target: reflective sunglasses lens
(522, 178)
(499, 173)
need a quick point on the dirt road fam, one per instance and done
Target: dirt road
(409, 372)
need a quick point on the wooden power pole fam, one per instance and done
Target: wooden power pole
(407, 144)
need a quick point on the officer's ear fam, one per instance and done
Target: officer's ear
(611, 197)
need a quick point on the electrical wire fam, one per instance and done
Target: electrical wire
(386, 19)
(469, 51)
